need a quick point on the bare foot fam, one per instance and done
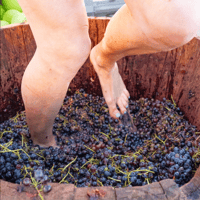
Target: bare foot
(49, 141)
(51, 144)
(113, 88)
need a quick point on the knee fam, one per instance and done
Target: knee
(65, 53)
(76, 51)
(198, 34)
(79, 50)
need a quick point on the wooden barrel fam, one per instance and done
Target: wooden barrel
(159, 75)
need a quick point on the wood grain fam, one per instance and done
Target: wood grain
(159, 75)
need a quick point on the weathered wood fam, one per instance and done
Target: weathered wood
(108, 193)
(152, 191)
(164, 74)
(159, 75)
(59, 191)
(191, 190)
(17, 47)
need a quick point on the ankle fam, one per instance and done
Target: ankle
(101, 60)
(44, 142)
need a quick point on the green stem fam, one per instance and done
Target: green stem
(69, 164)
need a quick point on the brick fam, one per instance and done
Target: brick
(81, 193)
(171, 189)
(63, 191)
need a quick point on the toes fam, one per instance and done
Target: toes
(113, 111)
(124, 99)
(125, 91)
(122, 105)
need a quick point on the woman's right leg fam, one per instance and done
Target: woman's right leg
(60, 29)
(141, 27)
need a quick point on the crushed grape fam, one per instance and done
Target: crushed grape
(96, 150)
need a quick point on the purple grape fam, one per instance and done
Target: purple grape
(47, 188)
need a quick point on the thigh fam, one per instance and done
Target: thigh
(149, 26)
(124, 36)
(176, 21)
(56, 21)
(54, 13)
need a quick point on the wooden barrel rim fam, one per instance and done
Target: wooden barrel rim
(175, 73)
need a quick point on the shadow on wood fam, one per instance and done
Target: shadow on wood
(159, 75)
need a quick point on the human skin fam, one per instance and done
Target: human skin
(63, 45)
(141, 27)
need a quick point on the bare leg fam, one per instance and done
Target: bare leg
(63, 45)
(140, 27)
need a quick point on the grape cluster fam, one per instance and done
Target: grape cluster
(96, 150)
